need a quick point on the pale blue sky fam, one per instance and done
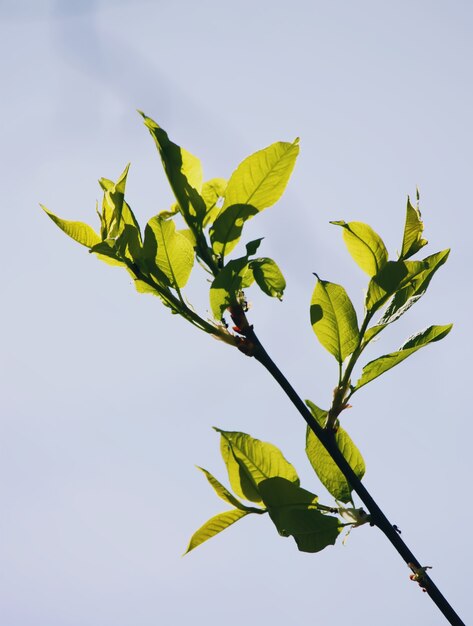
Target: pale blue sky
(107, 401)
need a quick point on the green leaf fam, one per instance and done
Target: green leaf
(223, 492)
(293, 511)
(112, 205)
(393, 277)
(80, 232)
(268, 276)
(250, 461)
(212, 191)
(235, 276)
(260, 180)
(128, 244)
(365, 246)
(410, 294)
(257, 183)
(324, 466)
(174, 254)
(384, 363)
(278, 492)
(214, 526)
(412, 240)
(228, 283)
(106, 251)
(226, 230)
(333, 319)
(184, 174)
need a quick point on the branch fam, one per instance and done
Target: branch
(251, 346)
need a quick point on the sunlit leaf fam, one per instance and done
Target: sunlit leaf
(324, 466)
(80, 232)
(112, 205)
(333, 319)
(175, 253)
(384, 363)
(268, 276)
(214, 526)
(412, 240)
(235, 276)
(226, 230)
(128, 243)
(365, 246)
(250, 461)
(229, 281)
(257, 183)
(407, 296)
(212, 191)
(184, 174)
(106, 251)
(393, 277)
(261, 178)
(223, 492)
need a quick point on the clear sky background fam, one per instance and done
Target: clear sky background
(107, 401)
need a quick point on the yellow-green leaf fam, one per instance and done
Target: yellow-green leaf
(333, 319)
(224, 493)
(214, 526)
(415, 288)
(393, 277)
(268, 276)
(365, 246)
(324, 466)
(412, 240)
(184, 174)
(384, 363)
(80, 232)
(250, 461)
(226, 231)
(175, 253)
(261, 178)
(212, 191)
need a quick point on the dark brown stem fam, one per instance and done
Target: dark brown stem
(251, 346)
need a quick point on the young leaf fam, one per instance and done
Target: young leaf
(277, 492)
(257, 183)
(293, 511)
(226, 230)
(235, 276)
(228, 283)
(223, 492)
(175, 254)
(393, 277)
(312, 531)
(324, 466)
(106, 251)
(412, 240)
(415, 289)
(365, 246)
(384, 363)
(333, 319)
(112, 205)
(212, 191)
(268, 277)
(214, 526)
(80, 232)
(261, 178)
(250, 461)
(184, 174)
(128, 244)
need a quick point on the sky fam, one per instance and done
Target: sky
(107, 401)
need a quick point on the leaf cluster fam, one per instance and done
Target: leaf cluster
(259, 473)
(160, 259)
